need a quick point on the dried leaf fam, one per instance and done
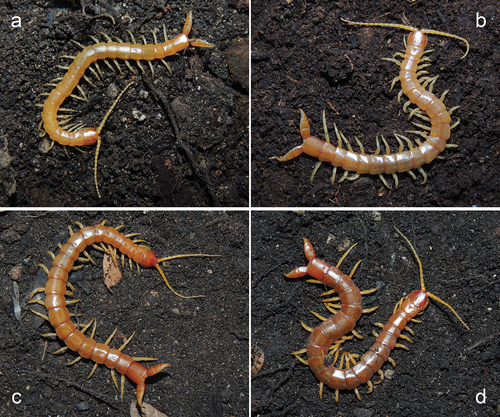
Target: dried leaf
(112, 274)
(147, 410)
(257, 359)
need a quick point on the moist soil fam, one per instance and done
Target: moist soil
(305, 57)
(143, 162)
(204, 339)
(446, 366)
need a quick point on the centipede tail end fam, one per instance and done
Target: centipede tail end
(141, 385)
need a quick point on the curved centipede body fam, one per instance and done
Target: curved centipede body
(344, 321)
(429, 108)
(59, 316)
(101, 51)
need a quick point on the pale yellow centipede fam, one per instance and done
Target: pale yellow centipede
(426, 101)
(100, 51)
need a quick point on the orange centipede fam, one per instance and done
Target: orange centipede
(429, 108)
(330, 334)
(101, 51)
(59, 316)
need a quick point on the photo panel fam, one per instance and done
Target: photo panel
(307, 57)
(448, 370)
(198, 325)
(159, 120)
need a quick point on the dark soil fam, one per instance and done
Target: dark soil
(204, 339)
(142, 161)
(446, 366)
(305, 57)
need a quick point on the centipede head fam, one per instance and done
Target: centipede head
(420, 297)
(148, 259)
(418, 38)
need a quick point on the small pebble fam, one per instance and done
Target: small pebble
(138, 115)
(389, 374)
(362, 412)
(112, 91)
(15, 273)
(83, 406)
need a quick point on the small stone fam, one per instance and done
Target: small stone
(5, 159)
(226, 396)
(138, 115)
(15, 273)
(10, 236)
(112, 91)
(83, 406)
(362, 412)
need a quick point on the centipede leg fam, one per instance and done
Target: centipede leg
(370, 387)
(35, 291)
(357, 393)
(156, 41)
(420, 169)
(306, 133)
(84, 329)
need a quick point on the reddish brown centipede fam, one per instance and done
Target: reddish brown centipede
(59, 317)
(332, 329)
(402, 161)
(102, 51)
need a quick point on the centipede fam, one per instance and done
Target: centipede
(327, 338)
(110, 240)
(429, 108)
(76, 134)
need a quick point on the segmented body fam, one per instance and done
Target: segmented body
(374, 358)
(345, 320)
(100, 51)
(389, 163)
(332, 329)
(58, 314)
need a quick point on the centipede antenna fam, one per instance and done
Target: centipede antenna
(412, 29)
(112, 107)
(389, 25)
(449, 35)
(447, 305)
(422, 285)
(176, 257)
(99, 138)
(189, 255)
